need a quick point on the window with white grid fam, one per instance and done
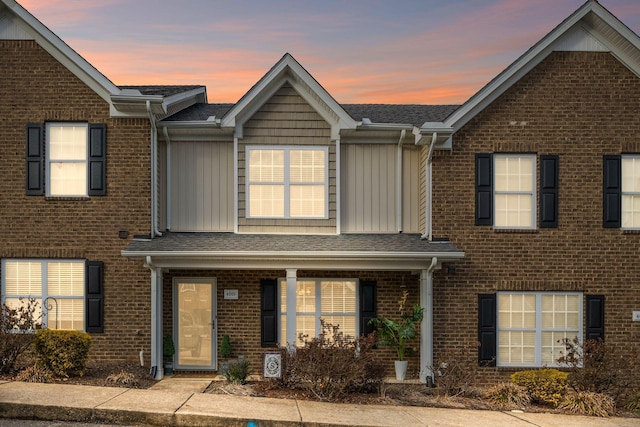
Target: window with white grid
(287, 182)
(333, 300)
(532, 326)
(514, 191)
(67, 159)
(58, 286)
(631, 192)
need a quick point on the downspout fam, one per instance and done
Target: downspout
(154, 173)
(428, 210)
(157, 366)
(338, 189)
(399, 183)
(426, 327)
(168, 166)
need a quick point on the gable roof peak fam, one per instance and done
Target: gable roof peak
(289, 70)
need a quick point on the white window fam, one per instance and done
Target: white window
(287, 182)
(333, 300)
(631, 192)
(57, 285)
(67, 159)
(532, 326)
(514, 191)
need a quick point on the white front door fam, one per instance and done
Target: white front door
(194, 323)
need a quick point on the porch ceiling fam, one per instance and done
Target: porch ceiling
(268, 251)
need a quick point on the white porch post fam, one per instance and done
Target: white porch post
(426, 327)
(156, 321)
(291, 306)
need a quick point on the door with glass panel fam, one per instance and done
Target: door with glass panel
(194, 315)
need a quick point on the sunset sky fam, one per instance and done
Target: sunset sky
(361, 51)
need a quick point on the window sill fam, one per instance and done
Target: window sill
(630, 231)
(517, 230)
(67, 198)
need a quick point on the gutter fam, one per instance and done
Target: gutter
(403, 133)
(154, 173)
(428, 211)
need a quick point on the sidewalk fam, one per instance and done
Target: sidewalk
(176, 403)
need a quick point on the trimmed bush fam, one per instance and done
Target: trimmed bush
(64, 353)
(508, 396)
(589, 403)
(545, 386)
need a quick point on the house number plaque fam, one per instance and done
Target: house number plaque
(230, 294)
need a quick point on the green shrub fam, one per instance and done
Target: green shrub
(238, 371)
(508, 396)
(332, 365)
(589, 403)
(64, 353)
(545, 386)
(16, 325)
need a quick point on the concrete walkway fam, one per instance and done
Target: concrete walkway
(181, 402)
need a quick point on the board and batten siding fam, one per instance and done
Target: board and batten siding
(369, 188)
(286, 119)
(201, 186)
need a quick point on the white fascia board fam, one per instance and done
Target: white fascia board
(282, 260)
(521, 66)
(129, 105)
(198, 95)
(68, 57)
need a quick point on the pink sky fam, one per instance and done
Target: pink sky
(361, 51)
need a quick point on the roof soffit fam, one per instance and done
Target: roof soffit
(603, 32)
(288, 70)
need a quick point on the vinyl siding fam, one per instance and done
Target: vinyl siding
(286, 119)
(201, 186)
(369, 189)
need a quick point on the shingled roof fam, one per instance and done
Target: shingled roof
(413, 114)
(162, 90)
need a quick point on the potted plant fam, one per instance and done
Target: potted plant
(394, 333)
(168, 350)
(225, 352)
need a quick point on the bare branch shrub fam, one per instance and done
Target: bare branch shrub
(16, 327)
(599, 367)
(453, 376)
(333, 365)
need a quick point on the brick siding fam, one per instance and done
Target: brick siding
(37, 88)
(579, 106)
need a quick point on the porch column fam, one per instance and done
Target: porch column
(426, 327)
(291, 306)
(156, 322)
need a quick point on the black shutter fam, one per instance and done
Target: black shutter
(94, 296)
(35, 160)
(269, 312)
(549, 191)
(97, 160)
(368, 305)
(484, 189)
(487, 329)
(595, 317)
(611, 192)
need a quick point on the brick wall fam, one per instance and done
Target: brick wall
(36, 88)
(240, 318)
(579, 106)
